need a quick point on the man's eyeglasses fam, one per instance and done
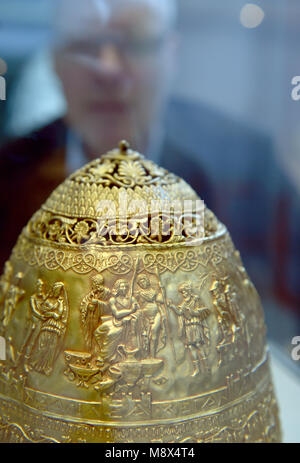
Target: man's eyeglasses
(136, 49)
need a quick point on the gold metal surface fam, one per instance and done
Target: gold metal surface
(130, 334)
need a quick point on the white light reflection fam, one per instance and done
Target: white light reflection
(251, 15)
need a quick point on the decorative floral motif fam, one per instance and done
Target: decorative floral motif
(54, 229)
(123, 170)
(154, 169)
(132, 169)
(81, 230)
(102, 169)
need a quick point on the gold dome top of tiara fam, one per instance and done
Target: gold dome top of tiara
(149, 204)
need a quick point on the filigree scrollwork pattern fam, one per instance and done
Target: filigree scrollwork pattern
(161, 228)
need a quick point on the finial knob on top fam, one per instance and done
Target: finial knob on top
(124, 146)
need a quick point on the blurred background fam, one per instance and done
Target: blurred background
(236, 59)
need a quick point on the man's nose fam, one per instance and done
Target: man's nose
(110, 59)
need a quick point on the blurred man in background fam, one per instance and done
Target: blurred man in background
(115, 60)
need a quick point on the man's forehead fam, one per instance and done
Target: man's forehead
(86, 18)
